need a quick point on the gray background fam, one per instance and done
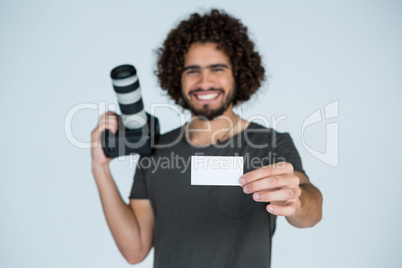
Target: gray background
(55, 55)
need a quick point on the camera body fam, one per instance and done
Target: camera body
(128, 141)
(138, 131)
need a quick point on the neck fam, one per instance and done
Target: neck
(205, 132)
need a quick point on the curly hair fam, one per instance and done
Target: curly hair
(231, 37)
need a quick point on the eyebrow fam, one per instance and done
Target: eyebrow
(221, 65)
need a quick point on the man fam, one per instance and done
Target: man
(208, 64)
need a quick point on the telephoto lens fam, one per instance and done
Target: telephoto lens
(137, 129)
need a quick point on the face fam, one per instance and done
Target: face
(207, 80)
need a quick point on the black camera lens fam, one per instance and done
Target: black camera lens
(128, 91)
(123, 71)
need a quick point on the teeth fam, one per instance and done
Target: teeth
(207, 97)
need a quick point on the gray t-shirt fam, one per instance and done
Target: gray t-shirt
(210, 226)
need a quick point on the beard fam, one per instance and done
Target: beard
(206, 111)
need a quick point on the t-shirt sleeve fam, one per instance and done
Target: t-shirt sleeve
(139, 189)
(286, 152)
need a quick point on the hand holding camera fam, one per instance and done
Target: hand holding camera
(135, 131)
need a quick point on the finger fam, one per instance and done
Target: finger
(107, 114)
(273, 182)
(265, 171)
(105, 118)
(282, 210)
(110, 122)
(284, 194)
(112, 125)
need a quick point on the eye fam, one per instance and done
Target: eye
(192, 71)
(217, 69)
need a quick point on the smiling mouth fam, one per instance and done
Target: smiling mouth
(206, 96)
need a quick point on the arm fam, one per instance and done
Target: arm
(132, 226)
(290, 193)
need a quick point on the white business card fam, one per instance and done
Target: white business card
(216, 170)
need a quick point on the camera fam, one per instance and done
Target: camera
(137, 130)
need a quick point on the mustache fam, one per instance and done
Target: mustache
(209, 89)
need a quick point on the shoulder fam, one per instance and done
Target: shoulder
(170, 137)
(263, 133)
(163, 144)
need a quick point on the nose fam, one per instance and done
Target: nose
(205, 80)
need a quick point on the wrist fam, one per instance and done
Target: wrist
(309, 210)
(99, 167)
